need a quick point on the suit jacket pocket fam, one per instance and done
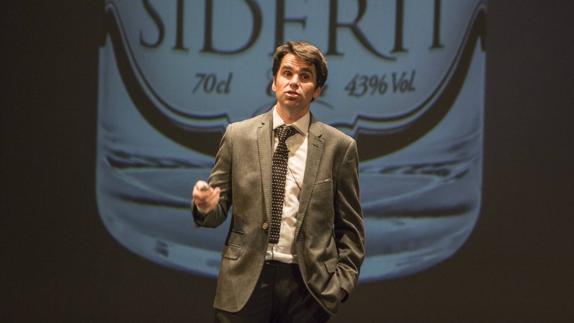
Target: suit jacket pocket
(235, 238)
(232, 252)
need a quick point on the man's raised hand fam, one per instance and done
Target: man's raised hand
(205, 197)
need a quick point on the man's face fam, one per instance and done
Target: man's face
(295, 84)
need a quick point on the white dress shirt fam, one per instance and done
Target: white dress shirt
(284, 250)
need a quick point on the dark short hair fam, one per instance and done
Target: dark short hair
(308, 52)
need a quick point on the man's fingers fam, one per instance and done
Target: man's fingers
(214, 197)
(201, 190)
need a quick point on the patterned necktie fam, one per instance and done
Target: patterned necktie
(279, 171)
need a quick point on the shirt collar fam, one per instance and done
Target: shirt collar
(301, 125)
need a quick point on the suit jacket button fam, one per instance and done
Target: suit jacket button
(265, 226)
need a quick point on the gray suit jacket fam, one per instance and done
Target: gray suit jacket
(330, 233)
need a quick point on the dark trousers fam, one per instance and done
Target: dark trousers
(279, 297)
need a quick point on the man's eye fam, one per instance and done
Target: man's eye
(305, 77)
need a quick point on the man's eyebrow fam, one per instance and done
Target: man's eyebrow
(306, 69)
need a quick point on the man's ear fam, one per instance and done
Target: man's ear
(317, 92)
(273, 87)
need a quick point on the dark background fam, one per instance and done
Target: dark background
(58, 263)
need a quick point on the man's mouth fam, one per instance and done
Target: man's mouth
(292, 93)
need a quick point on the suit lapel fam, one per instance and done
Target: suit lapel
(314, 154)
(264, 147)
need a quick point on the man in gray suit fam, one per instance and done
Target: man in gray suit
(296, 241)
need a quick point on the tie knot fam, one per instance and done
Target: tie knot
(284, 132)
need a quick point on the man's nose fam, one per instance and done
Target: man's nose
(294, 82)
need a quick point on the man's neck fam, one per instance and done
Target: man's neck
(289, 116)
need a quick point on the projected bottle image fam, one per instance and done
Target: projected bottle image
(406, 80)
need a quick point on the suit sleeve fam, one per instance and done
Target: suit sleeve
(220, 177)
(348, 226)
